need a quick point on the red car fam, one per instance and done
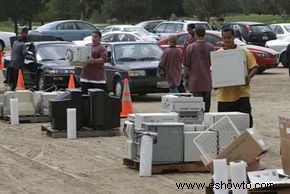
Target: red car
(266, 58)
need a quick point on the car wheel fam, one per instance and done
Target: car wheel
(118, 88)
(41, 83)
(283, 59)
(2, 46)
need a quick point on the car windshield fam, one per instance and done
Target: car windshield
(260, 28)
(137, 52)
(50, 52)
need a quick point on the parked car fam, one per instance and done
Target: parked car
(282, 30)
(266, 58)
(280, 46)
(165, 29)
(45, 65)
(253, 32)
(129, 28)
(136, 61)
(123, 36)
(5, 40)
(150, 24)
(67, 30)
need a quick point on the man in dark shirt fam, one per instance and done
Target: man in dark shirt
(93, 75)
(17, 58)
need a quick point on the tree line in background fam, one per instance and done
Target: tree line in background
(130, 11)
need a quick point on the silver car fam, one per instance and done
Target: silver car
(67, 30)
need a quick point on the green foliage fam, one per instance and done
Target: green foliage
(268, 19)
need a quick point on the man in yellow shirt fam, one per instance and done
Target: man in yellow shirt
(236, 98)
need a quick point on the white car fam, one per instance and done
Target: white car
(282, 30)
(280, 46)
(5, 40)
(129, 28)
(168, 28)
(117, 37)
(123, 36)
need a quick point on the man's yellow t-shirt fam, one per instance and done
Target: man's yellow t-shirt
(233, 93)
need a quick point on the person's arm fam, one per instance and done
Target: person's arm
(252, 66)
(251, 74)
(187, 62)
(102, 59)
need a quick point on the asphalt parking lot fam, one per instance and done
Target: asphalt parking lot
(31, 162)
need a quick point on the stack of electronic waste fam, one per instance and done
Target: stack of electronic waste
(190, 139)
(96, 111)
(30, 103)
(190, 109)
(167, 147)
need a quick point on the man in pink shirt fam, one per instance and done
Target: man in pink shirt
(93, 75)
(170, 62)
(197, 67)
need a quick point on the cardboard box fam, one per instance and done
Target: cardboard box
(248, 146)
(228, 68)
(284, 127)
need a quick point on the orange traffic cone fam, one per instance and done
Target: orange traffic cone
(127, 106)
(2, 60)
(20, 81)
(71, 83)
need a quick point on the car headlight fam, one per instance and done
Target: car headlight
(136, 73)
(263, 55)
(51, 71)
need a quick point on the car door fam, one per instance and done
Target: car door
(159, 30)
(68, 31)
(109, 67)
(85, 29)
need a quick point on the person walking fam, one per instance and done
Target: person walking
(190, 36)
(197, 67)
(18, 54)
(170, 63)
(93, 74)
(237, 98)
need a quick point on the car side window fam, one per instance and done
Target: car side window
(129, 37)
(108, 38)
(67, 26)
(181, 39)
(116, 29)
(85, 26)
(278, 30)
(160, 28)
(106, 30)
(170, 28)
(179, 27)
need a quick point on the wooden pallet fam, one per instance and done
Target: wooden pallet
(85, 132)
(28, 118)
(169, 168)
